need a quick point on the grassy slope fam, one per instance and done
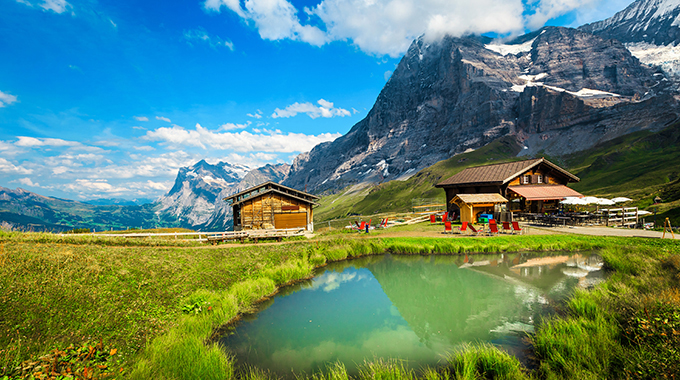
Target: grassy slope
(131, 296)
(640, 166)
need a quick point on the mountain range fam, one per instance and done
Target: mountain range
(554, 92)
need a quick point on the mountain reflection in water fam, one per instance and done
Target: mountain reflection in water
(416, 308)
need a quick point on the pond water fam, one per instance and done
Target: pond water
(415, 308)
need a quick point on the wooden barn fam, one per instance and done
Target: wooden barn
(533, 186)
(271, 205)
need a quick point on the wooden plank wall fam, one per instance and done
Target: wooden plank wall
(259, 212)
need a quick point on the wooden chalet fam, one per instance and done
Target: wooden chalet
(271, 205)
(532, 186)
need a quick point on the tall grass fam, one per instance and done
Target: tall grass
(484, 361)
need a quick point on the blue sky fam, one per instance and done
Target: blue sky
(109, 99)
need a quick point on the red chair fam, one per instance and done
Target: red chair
(433, 218)
(445, 217)
(516, 228)
(506, 227)
(473, 229)
(447, 227)
(493, 227)
(463, 227)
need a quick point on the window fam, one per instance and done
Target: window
(526, 180)
(539, 178)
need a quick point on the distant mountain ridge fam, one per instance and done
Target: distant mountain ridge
(195, 201)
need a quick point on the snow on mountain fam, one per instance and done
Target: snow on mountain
(196, 199)
(650, 29)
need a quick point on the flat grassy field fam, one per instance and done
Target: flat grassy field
(107, 307)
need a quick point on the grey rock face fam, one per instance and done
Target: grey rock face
(196, 199)
(461, 93)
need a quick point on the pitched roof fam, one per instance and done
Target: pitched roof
(499, 173)
(268, 187)
(480, 198)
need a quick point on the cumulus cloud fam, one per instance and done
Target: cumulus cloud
(256, 115)
(324, 109)
(274, 19)
(29, 142)
(232, 126)
(200, 35)
(141, 118)
(268, 141)
(161, 118)
(6, 99)
(387, 27)
(542, 11)
(26, 182)
(57, 6)
(7, 167)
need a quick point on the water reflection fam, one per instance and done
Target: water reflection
(417, 308)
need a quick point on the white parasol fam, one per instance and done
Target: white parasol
(604, 202)
(621, 199)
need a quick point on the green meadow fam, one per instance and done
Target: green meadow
(107, 307)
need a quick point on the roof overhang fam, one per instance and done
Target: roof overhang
(476, 199)
(544, 193)
(277, 192)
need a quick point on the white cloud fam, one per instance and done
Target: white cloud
(9, 168)
(387, 75)
(232, 126)
(257, 115)
(26, 182)
(57, 6)
(6, 99)
(25, 141)
(324, 109)
(387, 27)
(201, 35)
(274, 19)
(141, 118)
(545, 10)
(270, 141)
(144, 148)
(163, 119)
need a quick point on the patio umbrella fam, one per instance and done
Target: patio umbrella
(643, 212)
(604, 202)
(590, 200)
(621, 199)
(573, 201)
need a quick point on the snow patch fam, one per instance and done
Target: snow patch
(504, 50)
(666, 56)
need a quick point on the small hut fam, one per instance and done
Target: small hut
(271, 205)
(471, 205)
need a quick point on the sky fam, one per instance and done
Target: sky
(109, 99)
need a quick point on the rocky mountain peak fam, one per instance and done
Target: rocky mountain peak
(456, 94)
(196, 197)
(655, 22)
